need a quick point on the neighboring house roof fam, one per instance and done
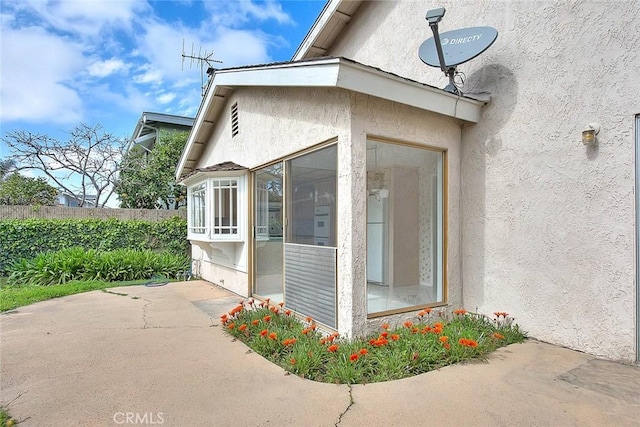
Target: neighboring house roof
(329, 24)
(145, 132)
(327, 72)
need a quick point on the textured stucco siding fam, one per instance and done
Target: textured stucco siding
(384, 120)
(547, 224)
(277, 122)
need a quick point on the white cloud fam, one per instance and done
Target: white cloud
(87, 18)
(166, 98)
(107, 67)
(37, 71)
(235, 13)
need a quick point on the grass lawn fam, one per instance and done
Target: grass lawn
(17, 296)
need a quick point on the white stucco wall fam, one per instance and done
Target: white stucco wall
(547, 226)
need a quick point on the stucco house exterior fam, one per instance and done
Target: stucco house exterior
(349, 185)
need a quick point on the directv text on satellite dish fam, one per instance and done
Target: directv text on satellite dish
(461, 40)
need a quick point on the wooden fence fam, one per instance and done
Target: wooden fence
(63, 212)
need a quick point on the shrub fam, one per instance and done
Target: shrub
(53, 268)
(433, 341)
(26, 238)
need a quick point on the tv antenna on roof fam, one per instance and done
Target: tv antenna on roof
(201, 59)
(448, 50)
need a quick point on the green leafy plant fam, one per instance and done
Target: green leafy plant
(55, 268)
(432, 341)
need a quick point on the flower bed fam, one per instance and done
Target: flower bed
(432, 341)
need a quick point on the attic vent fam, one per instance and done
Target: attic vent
(234, 120)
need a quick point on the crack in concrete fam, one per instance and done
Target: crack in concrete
(144, 313)
(351, 402)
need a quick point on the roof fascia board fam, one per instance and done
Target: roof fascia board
(357, 78)
(310, 74)
(325, 16)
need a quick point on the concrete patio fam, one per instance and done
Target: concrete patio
(139, 355)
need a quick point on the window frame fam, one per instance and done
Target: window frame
(239, 205)
(443, 219)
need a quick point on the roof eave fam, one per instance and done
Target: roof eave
(325, 72)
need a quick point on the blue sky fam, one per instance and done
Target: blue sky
(65, 62)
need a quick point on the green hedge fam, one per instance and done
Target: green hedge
(25, 238)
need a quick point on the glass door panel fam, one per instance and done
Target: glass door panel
(268, 245)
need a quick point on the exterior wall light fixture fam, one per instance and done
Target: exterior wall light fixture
(589, 134)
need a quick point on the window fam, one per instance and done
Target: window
(197, 206)
(217, 209)
(312, 201)
(225, 206)
(405, 217)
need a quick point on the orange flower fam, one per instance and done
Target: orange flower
(395, 337)
(447, 345)
(275, 310)
(415, 330)
(231, 325)
(385, 326)
(266, 318)
(313, 327)
(251, 301)
(263, 332)
(333, 348)
(427, 310)
(444, 338)
(242, 327)
(305, 331)
(363, 351)
(501, 313)
(255, 322)
(288, 312)
(335, 335)
(380, 342)
(266, 301)
(290, 341)
(408, 324)
(384, 334)
(323, 341)
(354, 357)
(421, 313)
(460, 312)
(281, 304)
(330, 338)
(273, 336)
(426, 329)
(468, 342)
(292, 361)
(236, 309)
(309, 319)
(437, 330)
(498, 336)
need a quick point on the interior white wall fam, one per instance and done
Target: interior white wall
(547, 224)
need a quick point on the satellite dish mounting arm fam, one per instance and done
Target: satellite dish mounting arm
(434, 16)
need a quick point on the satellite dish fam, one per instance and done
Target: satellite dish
(450, 49)
(458, 46)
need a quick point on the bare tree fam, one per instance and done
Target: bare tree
(85, 165)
